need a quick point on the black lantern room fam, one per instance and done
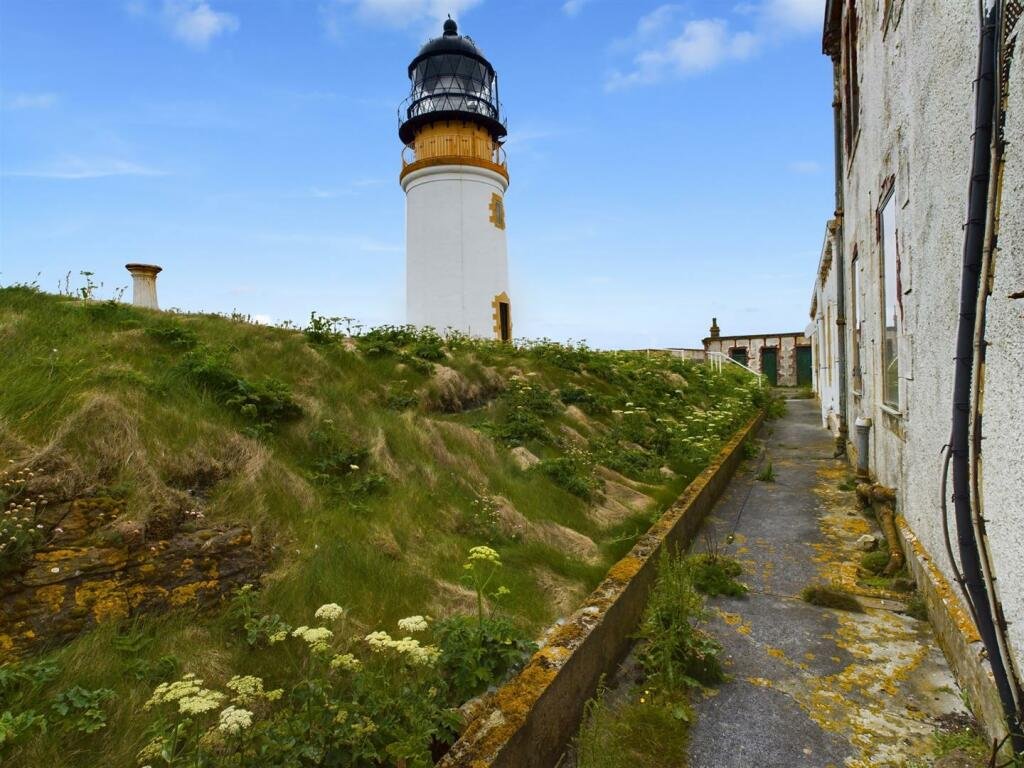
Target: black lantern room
(451, 80)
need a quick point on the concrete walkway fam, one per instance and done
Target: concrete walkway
(811, 686)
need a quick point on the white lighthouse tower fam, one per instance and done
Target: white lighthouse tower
(454, 176)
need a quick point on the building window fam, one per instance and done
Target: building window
(858, 324)
(851, 84)
(497, 211)
(892, 307)
(739, 354)
(828, 343)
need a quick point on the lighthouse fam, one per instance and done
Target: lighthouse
(454, 176)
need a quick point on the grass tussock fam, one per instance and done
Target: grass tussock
(831, 597)
(360, 459)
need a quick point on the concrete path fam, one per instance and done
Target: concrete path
(810, 686)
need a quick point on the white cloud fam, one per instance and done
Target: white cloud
(337, 14)
(74, 168)
(801, 15)
(573, 7)
(194, 22)
(702, 45)
(666, 44)
(805, 167)
(31, 101)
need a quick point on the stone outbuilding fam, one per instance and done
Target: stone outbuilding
(784, 359)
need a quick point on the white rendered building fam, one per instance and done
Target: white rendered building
(455, 182)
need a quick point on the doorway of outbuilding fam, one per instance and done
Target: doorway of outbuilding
(803, 366)
(770, 364)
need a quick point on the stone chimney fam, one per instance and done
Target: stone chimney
(144, 284)
(715, 331)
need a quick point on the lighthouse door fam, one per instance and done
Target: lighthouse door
(504, 321)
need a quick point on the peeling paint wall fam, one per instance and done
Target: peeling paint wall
(916, 72)
(824, 336)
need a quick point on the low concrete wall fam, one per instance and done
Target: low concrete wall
(958, 638)
(531, 719)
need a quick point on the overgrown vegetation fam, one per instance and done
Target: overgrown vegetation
(649, 726)
(830, 596)
(365, 463)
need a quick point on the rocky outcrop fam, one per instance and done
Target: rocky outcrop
(96, 567)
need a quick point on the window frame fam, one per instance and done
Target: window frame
(889, 198)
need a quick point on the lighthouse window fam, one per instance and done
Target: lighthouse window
(497, 211)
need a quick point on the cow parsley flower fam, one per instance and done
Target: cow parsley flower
(413, 624)
(378, 641)
(347, 662)
(234, 720)
(315, 637)
(204, 701)
(329, 612)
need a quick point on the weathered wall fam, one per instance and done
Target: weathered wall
(824, 336)
(786, 343)
(916, 123)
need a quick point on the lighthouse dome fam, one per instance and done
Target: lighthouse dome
(451, 80)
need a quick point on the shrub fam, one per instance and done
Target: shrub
(675, 653)
(831, 597)
(80, 709)
(173, 334)
(574, 472)
(647, 731)
(265, 403)
(716, 575)
(476, 655)
(875, 562)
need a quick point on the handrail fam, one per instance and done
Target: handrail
(717, 358)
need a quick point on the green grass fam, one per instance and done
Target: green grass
(642, 732)
(831, 597)
(107, 395)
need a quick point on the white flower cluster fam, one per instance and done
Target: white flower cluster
(234, 720)
(248, 688)
(413, 624)
(421, 655)
(188, 693)
(346, 661)
(329, 612)
(316, 637)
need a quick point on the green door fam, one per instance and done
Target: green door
(803, 366)
(739, 354)
(770, 365)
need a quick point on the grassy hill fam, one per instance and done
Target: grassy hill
(154, 463)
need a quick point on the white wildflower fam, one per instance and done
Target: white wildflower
(413, 624)
(329, 612)
(234, 720)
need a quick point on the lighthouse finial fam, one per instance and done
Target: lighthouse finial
(450, 27)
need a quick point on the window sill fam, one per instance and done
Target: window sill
(896, 414)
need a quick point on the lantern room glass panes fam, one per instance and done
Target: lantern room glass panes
(451, 82)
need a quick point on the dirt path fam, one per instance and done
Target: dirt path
(811, 686)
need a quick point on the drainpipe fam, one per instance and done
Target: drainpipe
(839, 261)
(969, 525)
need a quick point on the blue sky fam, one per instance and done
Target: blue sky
(669, 162)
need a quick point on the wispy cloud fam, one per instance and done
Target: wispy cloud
(666, 43)
(805, 167)
(336, 15)
(573, 7)
(195, 23)
(75, 168)
(30, 101)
